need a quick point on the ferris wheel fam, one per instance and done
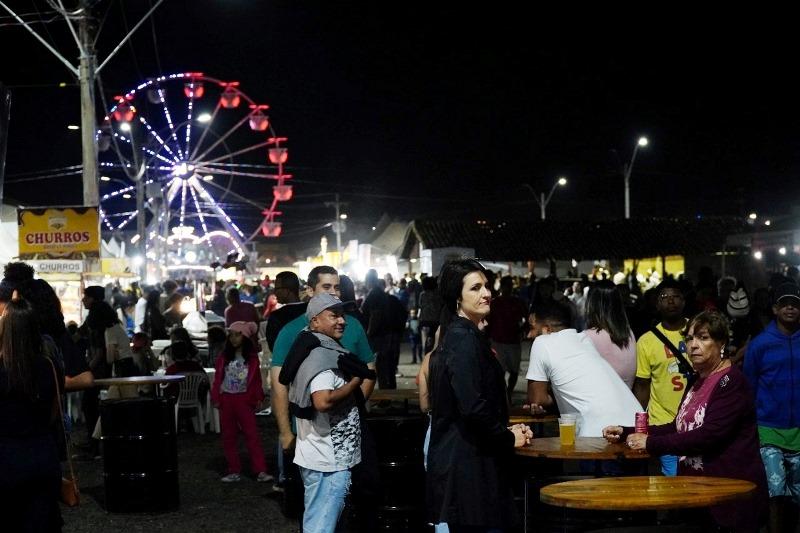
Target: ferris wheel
(184, 157)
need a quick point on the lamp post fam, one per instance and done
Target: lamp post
(642, 142)
(543, 200)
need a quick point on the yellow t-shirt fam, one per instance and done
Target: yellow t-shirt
(655, 362)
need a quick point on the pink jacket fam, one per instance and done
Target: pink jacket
(255, 389)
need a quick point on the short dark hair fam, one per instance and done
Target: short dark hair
(216, 334)
(288, 280)
(232, 295)
(347, 289)
(316, 272)
(101, 316)
(714, 321)
(669, 283)
(169, 285)
(554, 313)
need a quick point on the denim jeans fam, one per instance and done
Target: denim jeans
(324, 499)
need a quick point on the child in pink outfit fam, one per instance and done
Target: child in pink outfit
(238, 393)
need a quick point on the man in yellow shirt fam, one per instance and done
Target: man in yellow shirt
(659, 385)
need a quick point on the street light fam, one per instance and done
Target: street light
(543, 200)
(642, 142)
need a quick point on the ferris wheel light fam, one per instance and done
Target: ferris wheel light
(73, 127)
(204, 117)
(125, 126)
(208, 178)
(127, 196)
(278, 155)
(105, 178)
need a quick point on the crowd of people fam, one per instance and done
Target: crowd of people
(716, 374)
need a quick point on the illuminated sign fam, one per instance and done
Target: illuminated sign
(58, 232)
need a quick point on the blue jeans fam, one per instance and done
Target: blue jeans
(441, 527)
(324, 499)
(669, 465)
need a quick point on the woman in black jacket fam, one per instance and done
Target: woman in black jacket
(471, 448)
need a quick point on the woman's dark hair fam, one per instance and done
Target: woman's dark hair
(20, 345)
(47, 306)
(714, 322)
(180, 351)
(248, 348)
(451, 283)
(153, 300)
(182, 335)
(101, 316)
(605, 311)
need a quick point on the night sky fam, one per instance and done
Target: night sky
(422, 109)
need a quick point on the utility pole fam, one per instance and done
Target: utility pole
(86, 73)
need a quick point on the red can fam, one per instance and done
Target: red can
(640, 424)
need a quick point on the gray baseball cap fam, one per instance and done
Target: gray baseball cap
(321, 302)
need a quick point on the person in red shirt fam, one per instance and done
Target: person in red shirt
(506, 318)
(237, 310)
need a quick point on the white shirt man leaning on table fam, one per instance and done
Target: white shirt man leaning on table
(582, 381)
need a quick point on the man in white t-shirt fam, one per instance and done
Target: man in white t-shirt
(328, 426)
(581, 380)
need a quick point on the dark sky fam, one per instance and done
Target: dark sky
(434, 109)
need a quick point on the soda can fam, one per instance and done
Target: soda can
(640, 425)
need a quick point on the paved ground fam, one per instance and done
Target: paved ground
(206, 503)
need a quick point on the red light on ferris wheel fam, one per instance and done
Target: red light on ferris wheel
(194, 89)
(230, 97)
(124, 111)
(258, 120)
(271, 229)
(282, 193)
(278, 156)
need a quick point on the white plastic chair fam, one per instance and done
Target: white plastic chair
(188, 398)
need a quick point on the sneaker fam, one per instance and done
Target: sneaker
(265, 412)
(263, 477)
(231, 478)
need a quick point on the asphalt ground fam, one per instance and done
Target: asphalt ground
(207, 504)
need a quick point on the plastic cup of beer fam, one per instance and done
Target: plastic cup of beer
(566, 431)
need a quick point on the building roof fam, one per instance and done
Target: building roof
(519, 240)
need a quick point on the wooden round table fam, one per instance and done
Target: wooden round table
(643, 493)
(584, 448)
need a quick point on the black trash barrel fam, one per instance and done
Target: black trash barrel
(399, 442)
(140, 455)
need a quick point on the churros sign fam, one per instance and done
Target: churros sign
(58, 232)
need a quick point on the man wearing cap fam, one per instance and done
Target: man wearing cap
(659, 385)
(772, 367)
(328, 426)
(321, 280)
